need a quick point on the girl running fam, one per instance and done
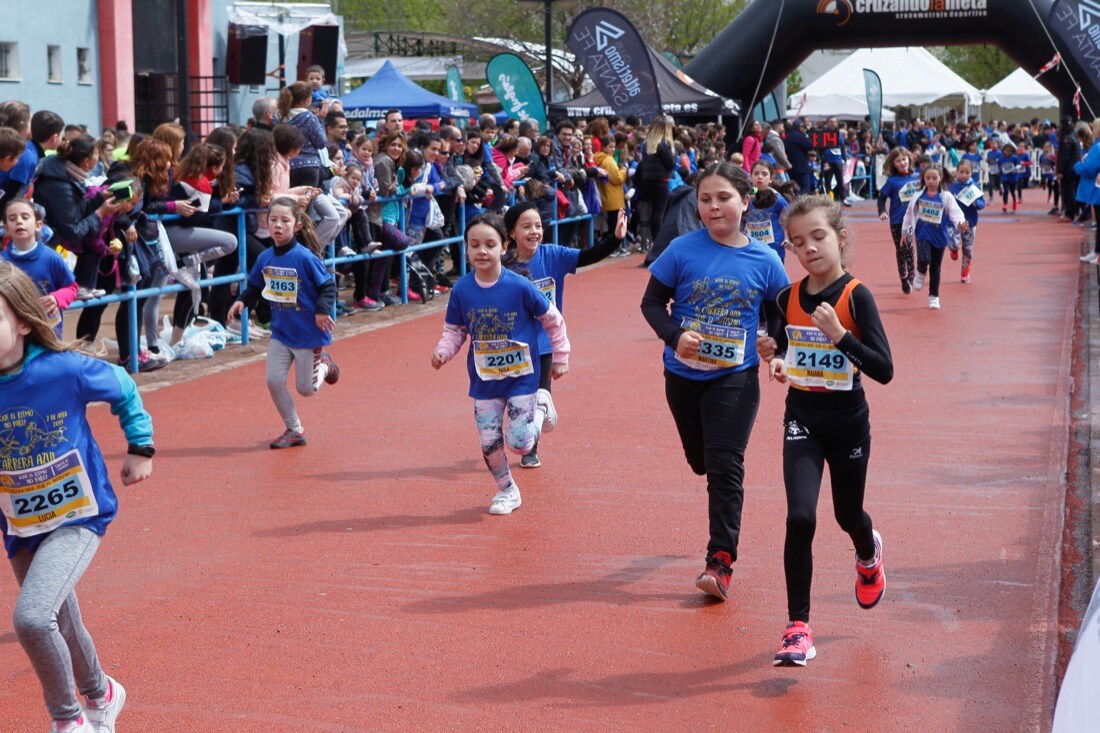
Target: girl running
(1008, 163)
(1023, 173)
(924, 222)
(901, 187)
(56, 285)
(502, 312)
(829, 336)
(302, 293)
(1047, 162)
(968, 194)
(762, 222)
(717, 278)
(57, 499)
(547, 265)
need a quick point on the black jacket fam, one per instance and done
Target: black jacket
(1069, 153)
(798, 149)
(69, 214)
(658, 166)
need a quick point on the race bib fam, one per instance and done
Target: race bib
(930, 212)
(835, 151)
(495, 360)
(969, 195)
(762, 231)
(1007, 169)
(280, 284)
(547, 287)
(909, 191)
(723, 347)
(814, 361)
(41, 499)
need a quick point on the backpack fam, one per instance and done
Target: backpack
(421, 279)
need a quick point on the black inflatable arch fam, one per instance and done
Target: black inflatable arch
(737, 63)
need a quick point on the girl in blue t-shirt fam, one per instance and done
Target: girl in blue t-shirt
(761, 222)
(1007, 164)
(57, 498)
(1023, 173)
(902, 186)
(1047, 162)
(926, 221)
(55, 281)
(547, 265)
(302, 293)
(964, 189)
(716, 279)
(502, 313)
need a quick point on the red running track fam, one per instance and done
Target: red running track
(358, 583)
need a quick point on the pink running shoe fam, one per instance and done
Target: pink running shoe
(715, 580)
(871, 581)
(797, 646)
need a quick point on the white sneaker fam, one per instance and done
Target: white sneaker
(83, 293)
(933, 302)
(505, 502)
(80, 725)
(103, 719)
(346, 252)
(918, 281)
(546, 402)
(1090, 258)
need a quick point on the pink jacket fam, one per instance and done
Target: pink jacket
(750, 150)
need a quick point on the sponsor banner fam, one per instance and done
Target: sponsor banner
(516, 88)
(873, 84)
(617, 60)
(1076, 23)
(844, 10)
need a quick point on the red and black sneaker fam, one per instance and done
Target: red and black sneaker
(289, 439)
(797, 646)
(871, 581)
(333, 375)
(715, 580)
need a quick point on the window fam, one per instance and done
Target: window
(53, 63)
(9, 60)
(83, 66)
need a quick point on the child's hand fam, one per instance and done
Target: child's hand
(557, 371)
(688, 345)
(49, 304)
(963, 227)
(883, 216)
(231, 198)
(620, 225)
(777, 371)
(325, 322)
(185, 209)
(438, 359)
(825, 318)
(766, 346)
(235, 311)
(135, 469)
(131, 235)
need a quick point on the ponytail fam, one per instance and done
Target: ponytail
(290, 97)
(77, 150)
(307, 235)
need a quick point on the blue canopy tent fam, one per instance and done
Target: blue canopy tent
(390, 89)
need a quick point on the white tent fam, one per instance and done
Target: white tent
(1019, 97)
(910, 77)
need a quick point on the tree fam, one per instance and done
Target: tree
(982, 66)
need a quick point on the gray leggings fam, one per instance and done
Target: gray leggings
(47, 619)
(307, 377)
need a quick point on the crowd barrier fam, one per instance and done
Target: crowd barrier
(130, 295)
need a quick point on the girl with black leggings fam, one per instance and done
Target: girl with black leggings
(829, 334)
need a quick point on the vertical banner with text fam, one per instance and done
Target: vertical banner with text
(873, 84)
(516, 88)
(455, 91)
(617, 60)
(1076, 23)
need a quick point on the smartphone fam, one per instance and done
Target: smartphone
(122, 190)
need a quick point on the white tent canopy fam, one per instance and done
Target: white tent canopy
(1019, 90)
(910, 77)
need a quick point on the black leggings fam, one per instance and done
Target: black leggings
(1053, 189)
(841, 438)
(903, 251)
(835, 171)
(1006, 189)
(929, 260)
(714, 419)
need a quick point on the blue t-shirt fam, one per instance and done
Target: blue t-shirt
(507, 311)
(836, 155)
(554, 262)
(44, 266)
(1023, 166)
(763, 224)
(970, 212)
(975, 158)
(1007, 165)
(24, 168)
(993, 159)
(719, 285)
(290, 283)
(46, 445)
(926, 231)
(900, 190)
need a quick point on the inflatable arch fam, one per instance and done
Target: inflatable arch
(770, 38)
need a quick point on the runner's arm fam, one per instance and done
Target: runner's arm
(871, 352)
(592, 255)
(554, 324)
(655, 309)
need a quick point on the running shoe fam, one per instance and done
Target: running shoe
(906, 287)
(1091, 258)
(797, 646)
(546, 402)
(918, 281)
(1004, 209)
(333, 375)
(934, 302)
(1053, 212)
(83, 293)
(531, 460)
(389, 298)
(145, 362)
(715, 580)
(103, 718)
(371, 306)
(871, 581)
(505, 502)
(288, 439)
(413, 295)
(1015, 204)
(346, 251)
(954, 253)
(80, 725)
(965, 276)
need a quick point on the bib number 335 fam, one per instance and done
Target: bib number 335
(723, 347)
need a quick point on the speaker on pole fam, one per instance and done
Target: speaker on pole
(246, 55)
(317, 46)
